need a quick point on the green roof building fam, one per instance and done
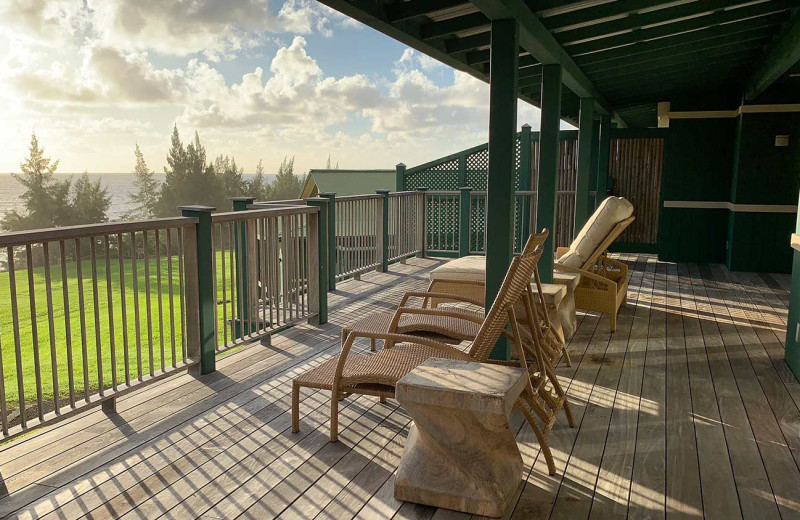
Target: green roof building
(347, 182)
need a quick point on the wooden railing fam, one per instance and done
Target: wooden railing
(92, 312)
(358, 229)
(406, 218)
(262, 270)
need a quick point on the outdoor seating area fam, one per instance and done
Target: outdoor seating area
(688, 408)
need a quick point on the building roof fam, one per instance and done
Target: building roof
(348, 182)
(627, 55)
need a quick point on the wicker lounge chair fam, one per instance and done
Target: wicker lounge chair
(603, 284)
(377, 374)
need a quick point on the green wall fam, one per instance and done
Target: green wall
(763, 174)
(698, 161)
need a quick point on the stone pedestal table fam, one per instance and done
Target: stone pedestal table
(460, 453)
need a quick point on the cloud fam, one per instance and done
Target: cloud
(105, 76)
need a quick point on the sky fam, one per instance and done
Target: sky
(257, 79)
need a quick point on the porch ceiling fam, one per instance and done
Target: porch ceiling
(627, 54)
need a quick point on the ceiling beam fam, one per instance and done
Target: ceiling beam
(454, 25)
(670, 29)
(672, 14)
(702, 38)
(406, 10)
(536, 39)
(781, 57)
(598, 12)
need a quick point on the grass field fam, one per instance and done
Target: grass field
(95, 323)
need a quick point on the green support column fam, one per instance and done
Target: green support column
(463, 220)
(585, 140)
(525, 180)
(242, 288)
(331, 232)
(400, 177)
(320, 289)
(503, 71)
(384, 243)
(205, 301)
(602, 157)
(462, 169)
(595, 148)
(548, 164)
(423, 227)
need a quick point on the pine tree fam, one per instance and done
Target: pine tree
(256, 187)
(230, 175)
(90, 201)
(145, 199)
(328, 164)
(286, 185)
(46, 199)
(189, 180)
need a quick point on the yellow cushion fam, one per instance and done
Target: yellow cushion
(611, 212)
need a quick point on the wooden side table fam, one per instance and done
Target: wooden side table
(460, 453)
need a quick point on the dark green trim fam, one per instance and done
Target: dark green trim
(206, 299)
(331, 233)
(384, 230)
(585, 140)
(525, 177)
(463, 220)
(399, 177)
(242, 288)
(548, 165)
(604, 150)
(322, 261)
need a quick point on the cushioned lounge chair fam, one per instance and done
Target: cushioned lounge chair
(603, 285)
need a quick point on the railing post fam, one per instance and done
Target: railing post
(318, 262)
(400, 177)
(463, 220)
(241, 262)
(525, 181)
(200, 297)
(383, 227)
(422, 224)
(331, 234)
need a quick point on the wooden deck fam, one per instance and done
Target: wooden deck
(687, 410)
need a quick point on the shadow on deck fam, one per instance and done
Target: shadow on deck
(687, 409)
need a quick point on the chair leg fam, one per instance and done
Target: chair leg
(334, 418)
(567, 360)
(612, 321)
(295, 408)
(383, 399)
(372, 344)
(548, 456)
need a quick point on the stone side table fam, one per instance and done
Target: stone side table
(460, 453)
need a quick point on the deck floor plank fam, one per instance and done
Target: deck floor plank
(688, 410)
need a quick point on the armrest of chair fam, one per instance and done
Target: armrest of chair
(438, 296)
(587, 275)
(622, 266)
(392, 338)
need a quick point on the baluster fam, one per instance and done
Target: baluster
(224, 289)
(96, 312)
(171, 298)
(82, 315)
(51, 329)
(37, 366)
(148, 306)
(110, 299)
(123, 307)
(136, 317)
(12, 282)
(160, 303)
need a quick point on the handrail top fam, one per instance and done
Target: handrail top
(365, 196)
(277, 211)
(34, 236)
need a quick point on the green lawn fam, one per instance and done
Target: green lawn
(149, 336)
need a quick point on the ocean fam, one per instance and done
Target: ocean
(120, 187)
